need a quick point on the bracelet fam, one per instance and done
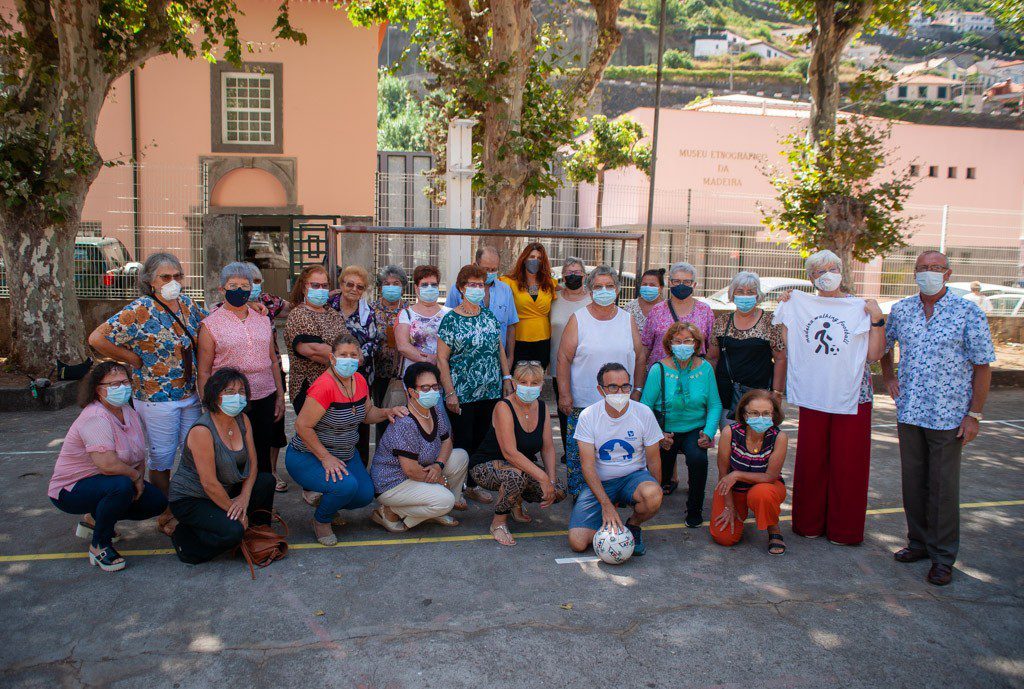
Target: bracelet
(440, 464)
(450, 395)
(506, 377)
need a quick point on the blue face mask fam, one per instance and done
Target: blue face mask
(492, 278)
(527, 393)
(118, 396)
(429, 293)
(391, 292)
(429, 399)
(649, 292)
(317, 297)
(603, 296)
(346, 367)
(760, 423)
(744, 303)
(257, 290)
(930, 283)
(232, 405)
(682, 351)
(475, 295)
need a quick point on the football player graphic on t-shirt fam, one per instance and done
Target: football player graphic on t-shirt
(616, 451)
(823, 339)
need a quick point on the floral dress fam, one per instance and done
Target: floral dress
(388, 362)
(305, 325)
(422, 330)
(474, 363)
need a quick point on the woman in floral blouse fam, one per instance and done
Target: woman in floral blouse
(387, 365)
(681, 305)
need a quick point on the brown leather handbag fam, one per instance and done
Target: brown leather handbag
(262, 545)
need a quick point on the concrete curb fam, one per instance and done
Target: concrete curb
(60, 395)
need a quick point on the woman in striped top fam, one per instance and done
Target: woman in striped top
(751, 453)
(322, 457)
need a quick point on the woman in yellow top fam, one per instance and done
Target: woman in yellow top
(533, 289)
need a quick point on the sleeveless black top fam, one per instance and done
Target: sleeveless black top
(528, 443)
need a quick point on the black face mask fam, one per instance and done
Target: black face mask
(237, 297)
(682, 291)
(573, 281)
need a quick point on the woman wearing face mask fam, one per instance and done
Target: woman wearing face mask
(322, 456)
(416, 332)
(217, 490)
(157, 336)
(649, 295)
(571, 298)
(750, 349)
(474, 371)
(387, 361)
(309, 332)
(506, 460)
(101, 464)
(751, 453)
(417, 474)
(681, 305)
(598, 334)
(234, 336)
(682, 392)
(534, 291)
(833, 450)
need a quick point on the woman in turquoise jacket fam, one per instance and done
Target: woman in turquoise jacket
(682, 392)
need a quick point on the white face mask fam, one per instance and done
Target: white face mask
(171, 291)
(930, 283)
(618, 401)
(829, 282)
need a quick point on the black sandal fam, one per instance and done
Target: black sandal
(670, 487)
(776, 545)
(108, 559)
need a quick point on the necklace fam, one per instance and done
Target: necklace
(425, 417)
(525, 408)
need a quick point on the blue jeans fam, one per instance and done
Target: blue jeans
(587, 513)
(353, 491)
(110, 499)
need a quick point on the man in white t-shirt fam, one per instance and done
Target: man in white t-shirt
(621, 463)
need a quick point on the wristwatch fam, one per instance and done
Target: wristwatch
(976, 415)
(880, 323)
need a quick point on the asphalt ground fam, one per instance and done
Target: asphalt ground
(450, 608)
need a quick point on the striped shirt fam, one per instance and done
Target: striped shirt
(742, 459)
(338, 428)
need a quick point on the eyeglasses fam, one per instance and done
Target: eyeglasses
(356, 286)
(428, 388)
(318, 285)
(689, 283)
(475, 284)
(427, 284)
(171, 276)
(573, 272)
(759, 415)
(691, 341)
(257, 281)
(931, 269)
(818, 273)
(615, 389)
(115, 383)
(524, 362)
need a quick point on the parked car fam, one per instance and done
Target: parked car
(987, 288)
(103, 268)
(1009, 304)
(773, 288)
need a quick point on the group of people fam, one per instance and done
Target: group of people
(454, 394)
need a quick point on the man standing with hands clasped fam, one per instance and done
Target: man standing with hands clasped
(619, 441)
(944, 377)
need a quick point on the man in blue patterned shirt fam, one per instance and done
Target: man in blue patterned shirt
(944, 376)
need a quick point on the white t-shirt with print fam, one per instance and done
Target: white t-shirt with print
(620, 444)
(826, 345)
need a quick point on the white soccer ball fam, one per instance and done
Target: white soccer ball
(613, 547)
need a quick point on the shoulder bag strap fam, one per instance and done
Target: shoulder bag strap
(177, 320)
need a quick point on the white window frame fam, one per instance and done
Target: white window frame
(268, 79)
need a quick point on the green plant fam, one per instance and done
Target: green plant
(401, 124)
(611, 145)
(839, 194)
(677, 59)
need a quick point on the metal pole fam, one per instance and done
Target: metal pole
(945, 225)
(654, 134)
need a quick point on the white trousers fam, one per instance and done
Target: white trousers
(416, 501)
(167, 425)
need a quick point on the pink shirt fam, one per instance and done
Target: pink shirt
(97, 430)
(245, 345)
(660, 319)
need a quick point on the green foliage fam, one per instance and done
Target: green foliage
(677, 59)
(848, 164)
(401, 124)
(1009, 14)
(892, 13)
(798, 67)
(740, 76)
(612, 144)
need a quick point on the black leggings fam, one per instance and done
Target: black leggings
(562, 418)
(264, 428)
(204, 530)
(532, 351)
(470, 427)
(696, 468)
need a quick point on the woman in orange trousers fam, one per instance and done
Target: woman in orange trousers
(751, 453)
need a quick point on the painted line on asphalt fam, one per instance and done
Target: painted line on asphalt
(4, 453)
(1012, 425)
(575, 560)
(35, 557)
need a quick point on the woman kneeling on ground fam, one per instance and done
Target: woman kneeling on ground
(507, 458)
(322, 456)
(417, 474)
(217, 489)
(751, 453)
(101, 464)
